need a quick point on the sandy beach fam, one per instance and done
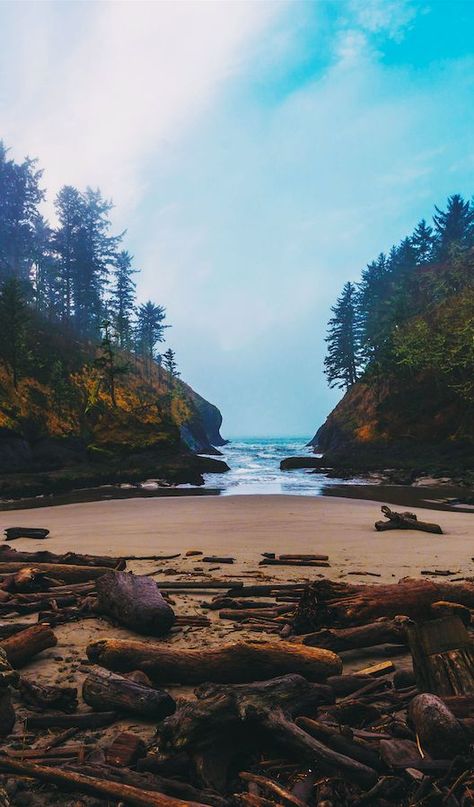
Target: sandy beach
(246, 526)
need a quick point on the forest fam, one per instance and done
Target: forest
(412, 312)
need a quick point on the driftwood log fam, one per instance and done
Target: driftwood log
(69, 780)
(10, 555)
(440, 734)
(38, 533)
(404, 521)
(229, 663)
(327, 603)
(391, 631)
(58, 571)
(135, 602)
(224, 719)
(26, 644)
(105, 690)
(39, 696)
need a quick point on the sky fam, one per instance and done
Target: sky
(258, 153)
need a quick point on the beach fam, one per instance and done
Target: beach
(245, 526)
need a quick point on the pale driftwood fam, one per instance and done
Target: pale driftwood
(135, 602)
(229, 663)
(405, 521)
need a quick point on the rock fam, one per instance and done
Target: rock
(292, 463)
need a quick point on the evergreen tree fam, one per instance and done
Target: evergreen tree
(372, 295)
(20, 195)
(44, 274)
(149, 331)
(454, 227)
(14, 327)
(107, 361)
(422, 241)
(69, 210)
(342, 360)
(122, 299)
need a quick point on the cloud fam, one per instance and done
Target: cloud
(134, 76)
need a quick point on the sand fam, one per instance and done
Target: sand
(246, 526)
(243, 527)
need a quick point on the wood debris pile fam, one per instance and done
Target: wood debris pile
(275, 721)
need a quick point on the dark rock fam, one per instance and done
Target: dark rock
(290, 463)
(56, 452)
(15, 453)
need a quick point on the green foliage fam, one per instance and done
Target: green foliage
(342, 360)
(14, 327)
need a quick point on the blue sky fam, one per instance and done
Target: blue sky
(259, 153)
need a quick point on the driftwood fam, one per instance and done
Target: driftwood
(22, 647)
(391, 631)
(59, 571)
(440, 733)
(135, 602)
(326, 603)
(252, 715)
(125, 750)
(7, 712)
(70, 780)
(39, 696)
(279, 562)
(404, 521)
(12, 533)
(443, 656)
(228, 663)
(10, 555)
(83, 720)
(104, 690)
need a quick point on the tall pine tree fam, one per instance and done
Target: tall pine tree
(149, 331)
(342, 360)
(454, 227)
(122, 299)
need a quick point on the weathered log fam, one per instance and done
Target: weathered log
(21, 647)
(343, 685)
(279, 562)
(391, 631)
(284, 795)
(303, 557)
(231, 602)
(333, 738)
(27, 580)
(104, 690)
(48, 697)
(229, 663)
(7, 712)
(38, 533)
(70, 780)
(59, 571)
(83, 720)
(404, 521)
(10, 555)
(216, 559)
(135, 602)
(439, 732)
(242, 614)
(325, 603)
(443, 656)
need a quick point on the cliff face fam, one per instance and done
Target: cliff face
(391, 424)
(202, 432)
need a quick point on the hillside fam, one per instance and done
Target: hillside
(402, 344)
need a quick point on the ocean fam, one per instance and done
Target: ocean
(255, 468)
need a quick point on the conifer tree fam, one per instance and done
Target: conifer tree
(69, 209)
(149, 331)
(422, 241)
(342, 360)
(14, 326)
(122, 299)
(454, 227)
(107, 361)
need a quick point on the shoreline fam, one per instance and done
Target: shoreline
(429, 497)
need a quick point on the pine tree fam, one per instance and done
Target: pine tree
(107, 361)
(14, 326)
(454, 227)
(149, 331)
(422, 241)
(122, 299)
(20, 195)
(342, 360)
(371, 300)
(69, 210)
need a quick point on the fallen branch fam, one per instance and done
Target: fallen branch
(404, 521)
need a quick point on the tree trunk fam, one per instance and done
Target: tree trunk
(59, 571)
(10, 555)
(391, 631)
(21, 647)
(104, 690)
(135, 602)
(230, 663)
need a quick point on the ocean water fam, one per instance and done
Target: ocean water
(255, 468)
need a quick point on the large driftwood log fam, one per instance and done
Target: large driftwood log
(135, 602)
(68, 780)
(229, 663)
(250, 716)
(21, 647)
(10, 555)
(104, 690)
(405, 521)
(443, 656)
(439, 732)
(38, 696)
(38, 533)
(391, 631)
(327, 603)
